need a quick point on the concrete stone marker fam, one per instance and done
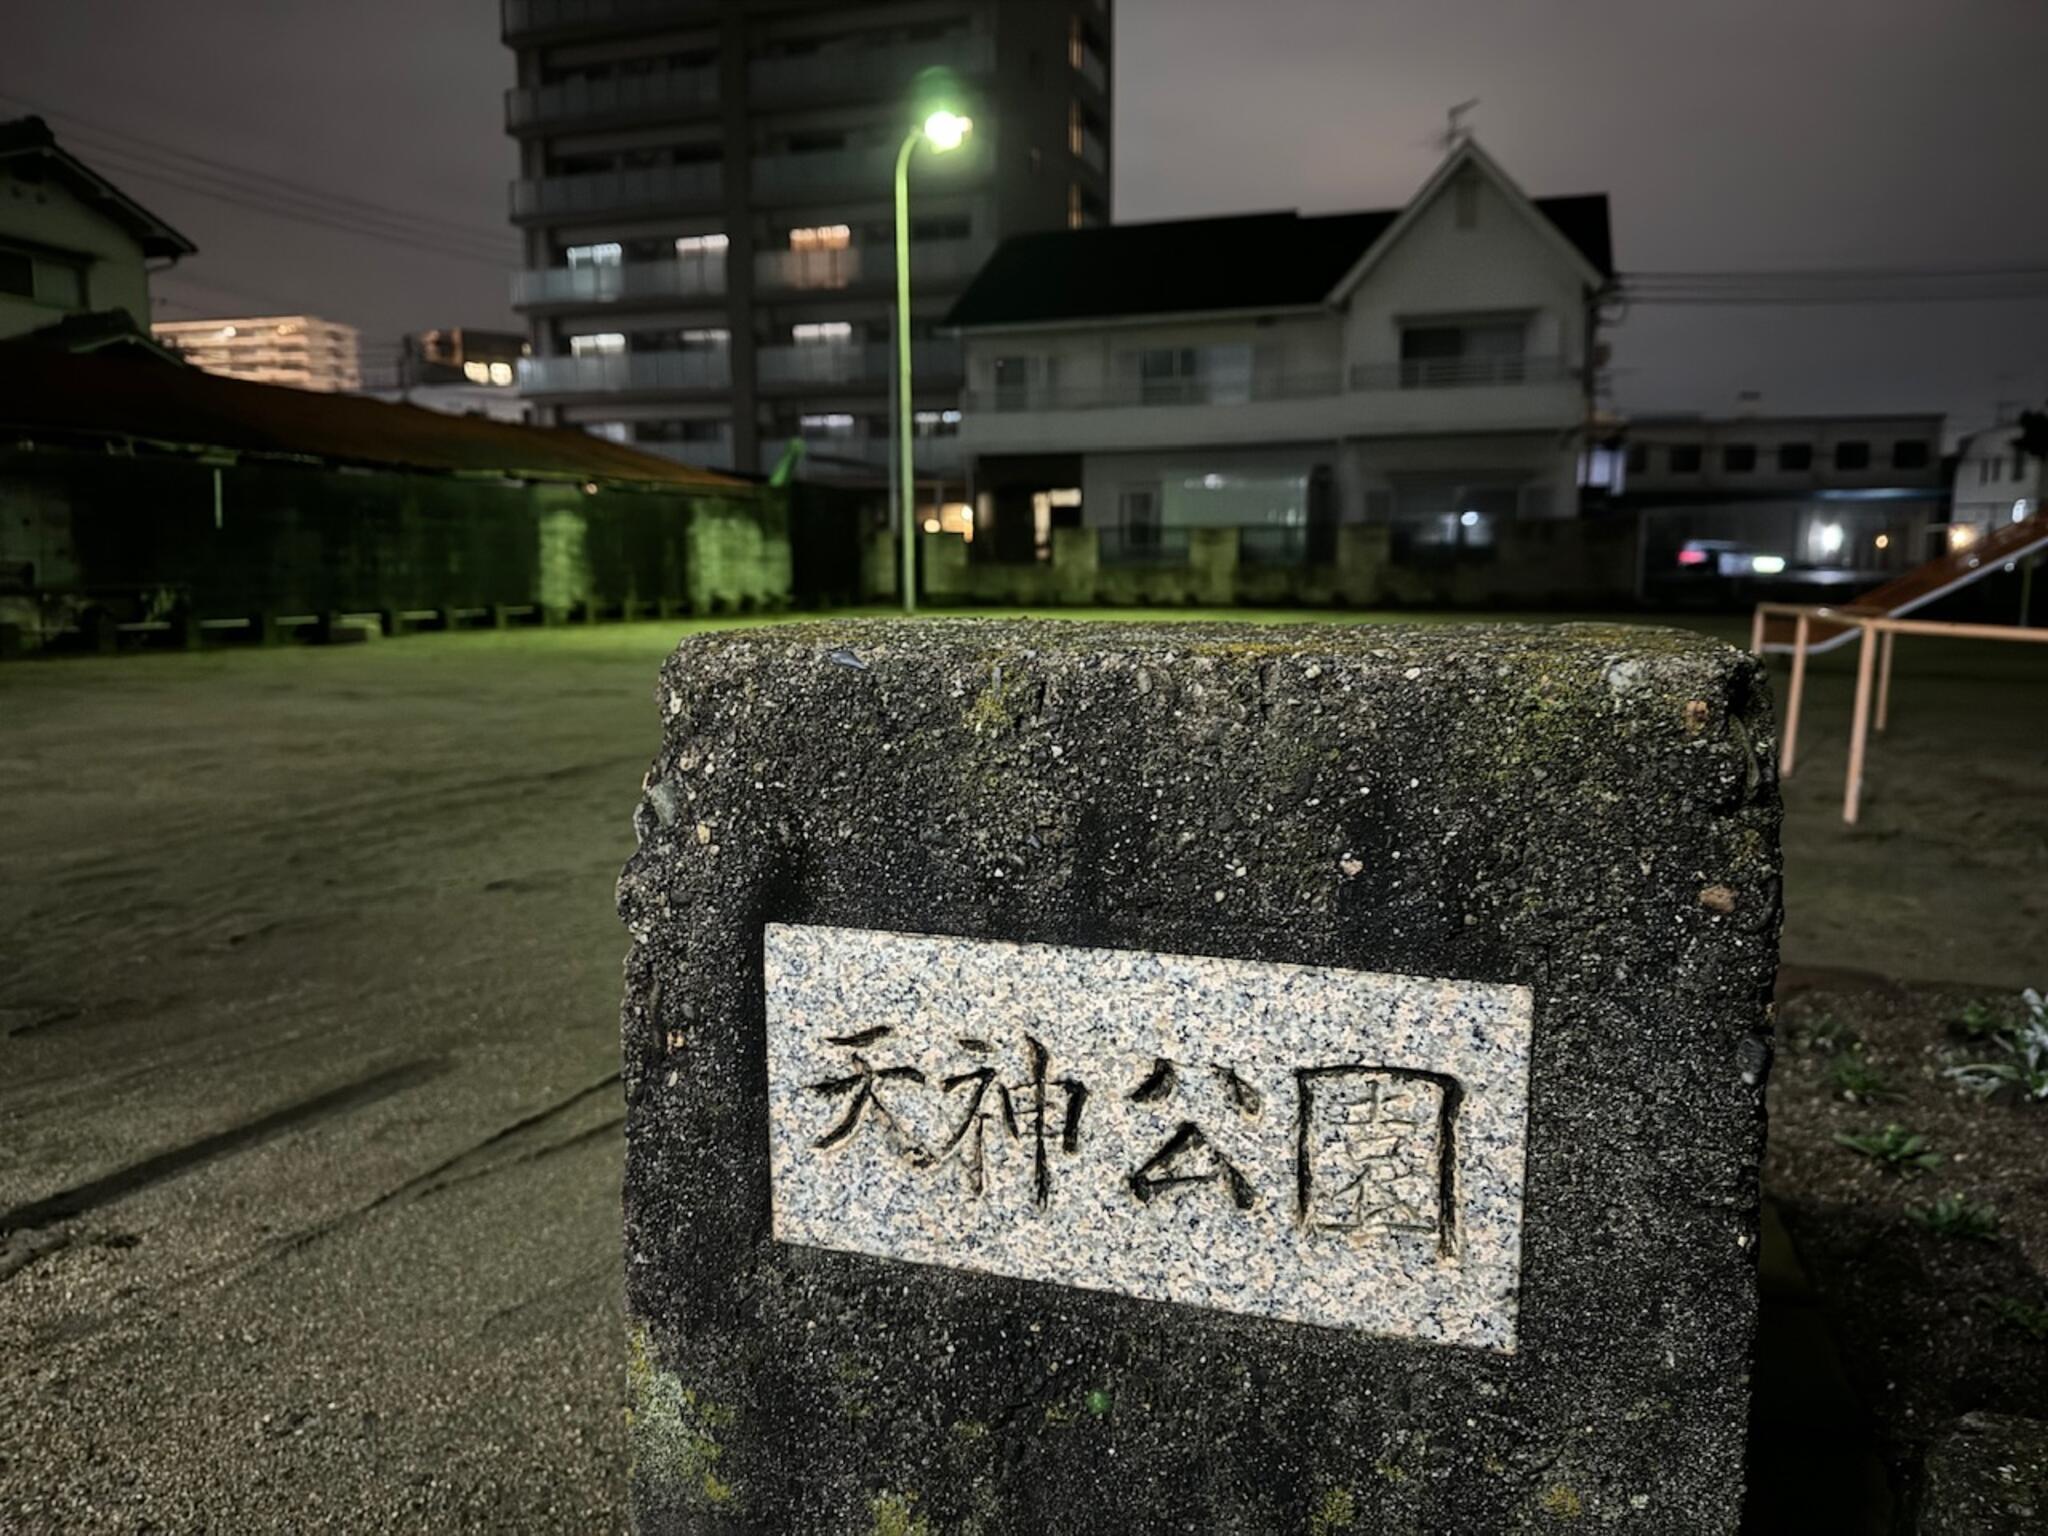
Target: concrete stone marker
(1122, 1078)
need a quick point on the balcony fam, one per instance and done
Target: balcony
(644, 189)
(942, 262)
(698, 452)
(864, 73)
(867, 457)
(659, 373)
(524, 21)
(1088, 64)
(620, 98)
(1391, 399)
(1458, 372)
(866, 172)
(1092, 150)
(629, 284)
(827, 364)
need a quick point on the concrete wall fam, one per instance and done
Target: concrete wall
(79, 530)
(46, 214)
(1534, 565)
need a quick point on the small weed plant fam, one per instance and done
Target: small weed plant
(2023, 1315)
(1894, 1149)
(2024, 1066)
(1824, 1032)
(1858, 1080)
(1956, 1216)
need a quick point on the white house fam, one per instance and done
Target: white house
(1997, 484)
(1426, 367)
(72, 244)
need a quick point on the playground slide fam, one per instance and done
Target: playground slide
(1921, 585)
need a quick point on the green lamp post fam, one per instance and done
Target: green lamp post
(943, 131)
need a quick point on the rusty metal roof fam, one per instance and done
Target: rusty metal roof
(147, 402)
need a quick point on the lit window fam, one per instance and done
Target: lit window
(609, 254)
(822, 333)
(821, 237)
(1074, 127)
(827, 424)
(501, 373)
(603, 344)
(476, 372)
(701, 245)
(709, 336)
(1076, 216)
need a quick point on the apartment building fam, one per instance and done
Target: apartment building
(1423, 367)
(706, 204)
(298, 351)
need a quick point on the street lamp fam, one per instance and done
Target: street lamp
(943, 131)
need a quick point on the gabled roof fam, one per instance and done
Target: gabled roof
(135, 400)
(30, 139)
(95, 330)
(1254, 261)
(1242, 261)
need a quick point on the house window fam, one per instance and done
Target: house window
(1910, 453)
(1213, 375)
(603, 344)
(1794, 457)
(1013, 383)
(1075, 213)
(1074, 127)
(607, 254)
(1137, 512)
(1490, 352)
(1738, 458)
(1685, 459)
(1852, 455)
(17, 274)
(821, 237)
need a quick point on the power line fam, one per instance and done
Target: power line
(250, 178)
(1838, 285)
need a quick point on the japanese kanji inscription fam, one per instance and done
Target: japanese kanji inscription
(1321, 1146)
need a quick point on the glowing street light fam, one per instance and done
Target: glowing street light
(944, 131)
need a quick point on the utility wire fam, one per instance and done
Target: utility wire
(192, 162)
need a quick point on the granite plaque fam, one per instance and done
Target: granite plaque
(1316, 1145)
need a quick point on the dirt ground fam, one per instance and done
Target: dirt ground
(309, 1148)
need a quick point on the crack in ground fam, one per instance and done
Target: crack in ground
(80, 1198)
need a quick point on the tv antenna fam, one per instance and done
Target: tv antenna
(1456, 130)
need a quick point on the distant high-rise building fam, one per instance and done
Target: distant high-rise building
(706, 204)
(301, 351)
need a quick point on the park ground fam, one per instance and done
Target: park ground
(309, 1115)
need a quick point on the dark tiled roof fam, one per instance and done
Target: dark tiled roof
(1195, 266)
(138, 398)
(30, 137)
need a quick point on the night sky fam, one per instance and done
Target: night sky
(1738, 134)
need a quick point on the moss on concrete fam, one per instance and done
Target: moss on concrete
(673, 1432)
